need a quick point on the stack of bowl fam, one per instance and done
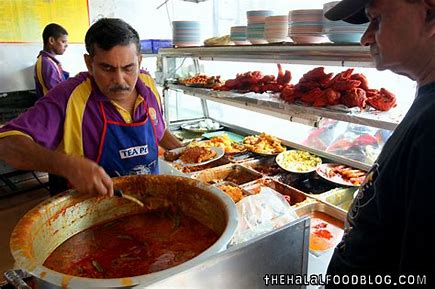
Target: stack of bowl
(238, 35)
(256, 23)
(306, 26)
(340, 31)
(276, 29)
(186, 33)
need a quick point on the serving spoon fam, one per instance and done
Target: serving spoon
(121, 194)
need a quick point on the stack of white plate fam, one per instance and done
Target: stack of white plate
(340, 31)
(306, 26)
(238, 35)
(186, 33)
(276, 29)
(256, 24)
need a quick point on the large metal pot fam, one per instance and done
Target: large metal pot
(52, 222)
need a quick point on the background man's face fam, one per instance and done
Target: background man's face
(60, 44)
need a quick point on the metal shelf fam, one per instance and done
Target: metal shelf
(327, 54)
(267, 104)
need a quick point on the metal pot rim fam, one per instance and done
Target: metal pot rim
(41, 272)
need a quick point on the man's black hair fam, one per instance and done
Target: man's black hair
(53, 30)
(107, 33)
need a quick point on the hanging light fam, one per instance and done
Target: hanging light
(194, 1)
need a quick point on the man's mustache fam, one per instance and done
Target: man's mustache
(119, 88)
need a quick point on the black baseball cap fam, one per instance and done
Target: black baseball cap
(351, 11)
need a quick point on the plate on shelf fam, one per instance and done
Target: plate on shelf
(195, 127)
(229, 147)
(233, 136)
(199, 85)
(341, 174)
(299, 162)
(266, 154)
(219, 153)
(264, 144)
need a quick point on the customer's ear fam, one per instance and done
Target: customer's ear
(430, 17)
(430, 12)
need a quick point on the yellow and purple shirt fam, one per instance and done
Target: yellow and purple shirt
(48, 73)
(68, 118)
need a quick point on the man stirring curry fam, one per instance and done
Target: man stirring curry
(100, 124)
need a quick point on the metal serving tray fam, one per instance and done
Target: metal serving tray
(246, 265)
(310, 183)
(323, 208)
(245, 193)
(340, 198)
(234, 173)
(186, 171)
(267, 167)
(308, 210)
(295, 196)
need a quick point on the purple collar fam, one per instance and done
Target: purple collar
(48, 54)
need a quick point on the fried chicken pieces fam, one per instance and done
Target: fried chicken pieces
(191, 155)
(263, 144)
(319, 89)
(315, 88)
(354, 176)
(223, 141)
(196, 155)
(234, 192)
(255, 81)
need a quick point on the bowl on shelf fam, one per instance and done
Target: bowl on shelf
(186, 33)
(344, 37)
(238, 35)
(308, 38)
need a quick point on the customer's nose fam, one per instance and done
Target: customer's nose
(368, 37)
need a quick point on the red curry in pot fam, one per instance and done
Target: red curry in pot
(131, 246)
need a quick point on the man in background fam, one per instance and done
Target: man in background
(48, 70)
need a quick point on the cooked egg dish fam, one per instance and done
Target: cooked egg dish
(298, 161)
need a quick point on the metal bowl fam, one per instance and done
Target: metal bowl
(55, 220)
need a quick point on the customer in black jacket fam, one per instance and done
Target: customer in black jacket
(389, 236)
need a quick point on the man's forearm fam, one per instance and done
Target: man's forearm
(85, 175)
(169, 141)
(22, 153)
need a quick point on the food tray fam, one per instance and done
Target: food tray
(307, 183)
(266, 167)
(190, 170)
(340, 198)
(295, 196)
(220, 162)
(219, 153)
(333, 215)
(323, 208)
(233, 173)
(241, 157)
(245, 193)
